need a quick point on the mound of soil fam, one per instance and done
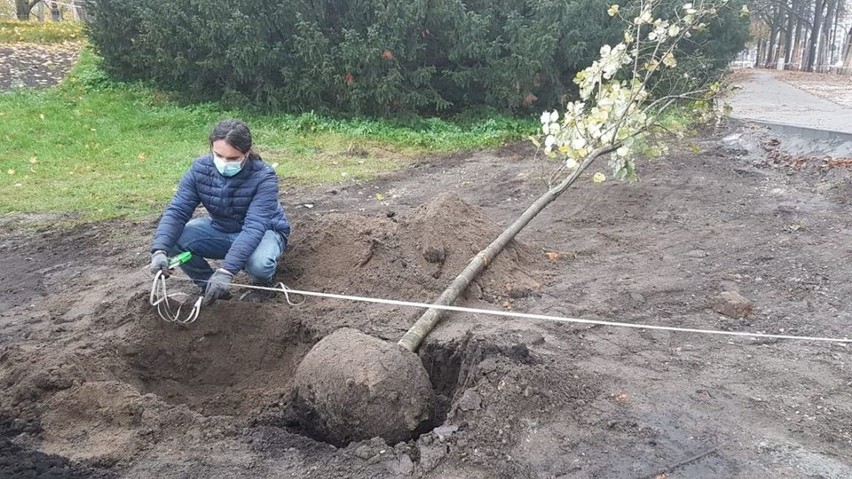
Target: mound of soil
(407, 257)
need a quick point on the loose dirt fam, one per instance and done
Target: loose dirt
(95, 383)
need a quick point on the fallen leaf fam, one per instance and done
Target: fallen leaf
(380, 196)
(10, 171)
(41, 115)
(599, 177)
(552, 255)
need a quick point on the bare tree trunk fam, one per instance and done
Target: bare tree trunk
(779, 48)
(847, 50)
(834, 54)
(813, 38)
(788, 40)
(825, 38)
(23, 9)
(770, 51)
(773, 34)
(415, 335)
(797, 37)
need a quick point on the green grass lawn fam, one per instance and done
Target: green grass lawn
(100, 149)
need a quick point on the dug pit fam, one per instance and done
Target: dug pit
(256, 362)
(145, 380)
(239, 358)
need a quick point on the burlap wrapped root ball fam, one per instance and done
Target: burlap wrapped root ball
(352, 386)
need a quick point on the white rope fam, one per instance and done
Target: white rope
(159, 298)
(288, 291)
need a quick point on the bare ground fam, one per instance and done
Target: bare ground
(97, 384)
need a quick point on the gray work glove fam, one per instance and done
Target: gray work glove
(159, 262)
(217, 287)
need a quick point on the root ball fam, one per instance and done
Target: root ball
(352, 386)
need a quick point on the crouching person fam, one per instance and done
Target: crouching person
(246, 226)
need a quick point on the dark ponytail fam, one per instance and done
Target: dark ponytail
(236, 134)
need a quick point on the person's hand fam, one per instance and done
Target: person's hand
(217, 287)
(159, 262)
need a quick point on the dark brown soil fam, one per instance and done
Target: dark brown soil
(20, 462)
(112, 389)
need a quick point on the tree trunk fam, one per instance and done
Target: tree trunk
(834, 54)
(770, 50)
(788, 39)
(847, 50)
(813, 38)
(23, 9)
(773, 34)
(823, 59)
(796, 59)
(412, 339)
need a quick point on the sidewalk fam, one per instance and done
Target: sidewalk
(763, 98)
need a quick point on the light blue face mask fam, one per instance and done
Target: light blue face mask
(227, 168)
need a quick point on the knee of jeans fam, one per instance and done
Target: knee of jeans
(261, 268)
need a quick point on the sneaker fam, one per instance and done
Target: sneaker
(258, 295)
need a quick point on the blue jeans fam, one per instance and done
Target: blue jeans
(204, 241)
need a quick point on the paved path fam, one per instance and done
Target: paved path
(764, 98)
(37, 66)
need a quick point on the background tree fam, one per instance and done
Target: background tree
(805, 34)
(24, 7)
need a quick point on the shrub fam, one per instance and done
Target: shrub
(374, 57)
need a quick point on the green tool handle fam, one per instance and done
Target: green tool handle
(179, 259)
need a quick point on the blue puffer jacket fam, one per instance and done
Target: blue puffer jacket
(246, 202)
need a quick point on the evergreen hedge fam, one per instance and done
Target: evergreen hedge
(372, 57)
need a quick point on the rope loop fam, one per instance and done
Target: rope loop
(161, 300)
